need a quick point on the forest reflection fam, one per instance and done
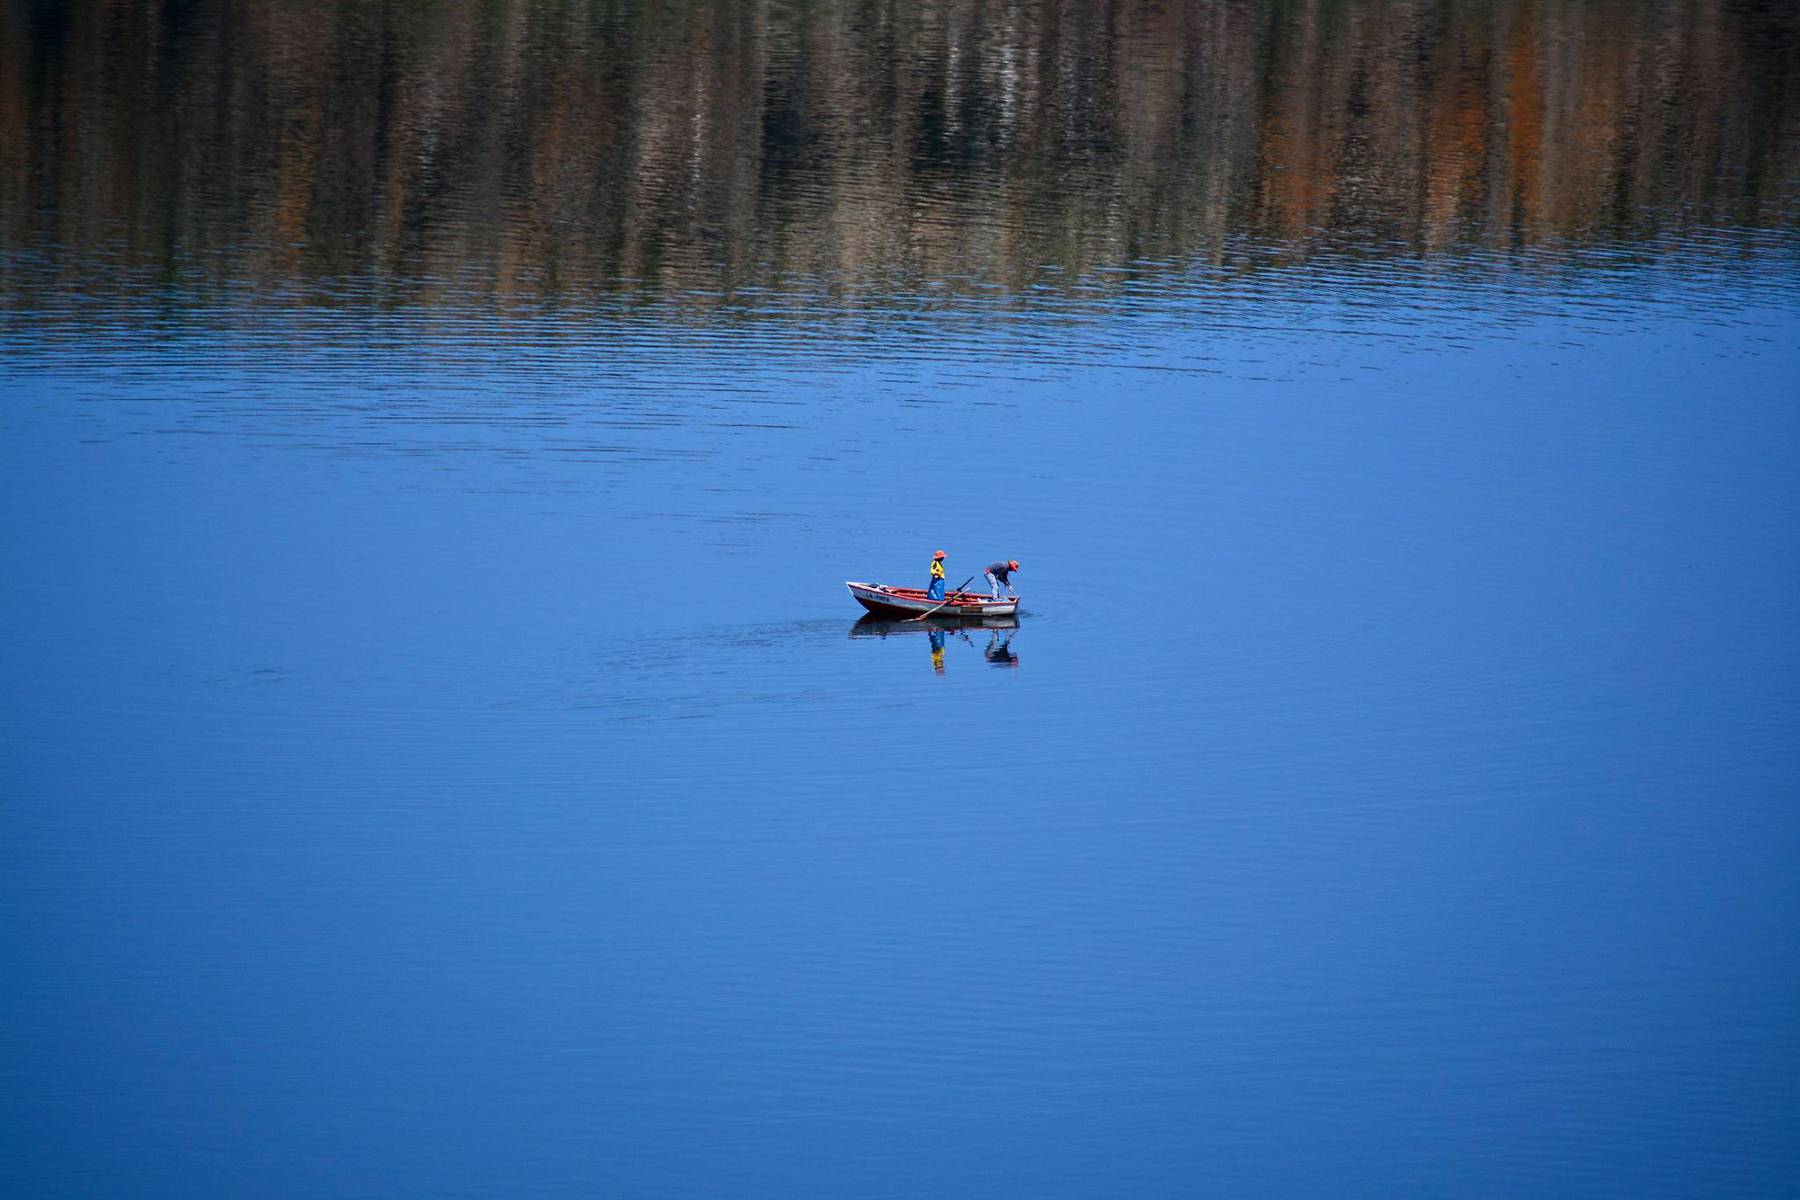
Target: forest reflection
(519, 147)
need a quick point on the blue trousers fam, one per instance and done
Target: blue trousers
(935, 591)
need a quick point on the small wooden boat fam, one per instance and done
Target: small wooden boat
(899, 602)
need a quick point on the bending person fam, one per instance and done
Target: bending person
(1000, 575)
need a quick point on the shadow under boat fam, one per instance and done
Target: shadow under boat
(873, 626)
(941, 631)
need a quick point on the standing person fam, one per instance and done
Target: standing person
(936, 590)
(1000, 574)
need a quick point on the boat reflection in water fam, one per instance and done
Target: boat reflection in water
(939, 630)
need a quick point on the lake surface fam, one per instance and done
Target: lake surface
(438, 755)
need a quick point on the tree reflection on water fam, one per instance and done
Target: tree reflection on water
(521, 149)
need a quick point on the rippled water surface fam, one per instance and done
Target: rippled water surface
(439, 756)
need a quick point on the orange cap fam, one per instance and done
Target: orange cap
(939, 554)
(1014, 564)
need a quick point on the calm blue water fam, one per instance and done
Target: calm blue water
(438, 756)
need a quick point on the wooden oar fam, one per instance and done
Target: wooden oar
(959, 587)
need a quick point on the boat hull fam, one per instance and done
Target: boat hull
(902, 603)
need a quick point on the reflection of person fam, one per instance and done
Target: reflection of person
(999, 650)
(1000, 575)
(937, 646)
(936, 590)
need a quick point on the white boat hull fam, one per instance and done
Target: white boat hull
(911, 602)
